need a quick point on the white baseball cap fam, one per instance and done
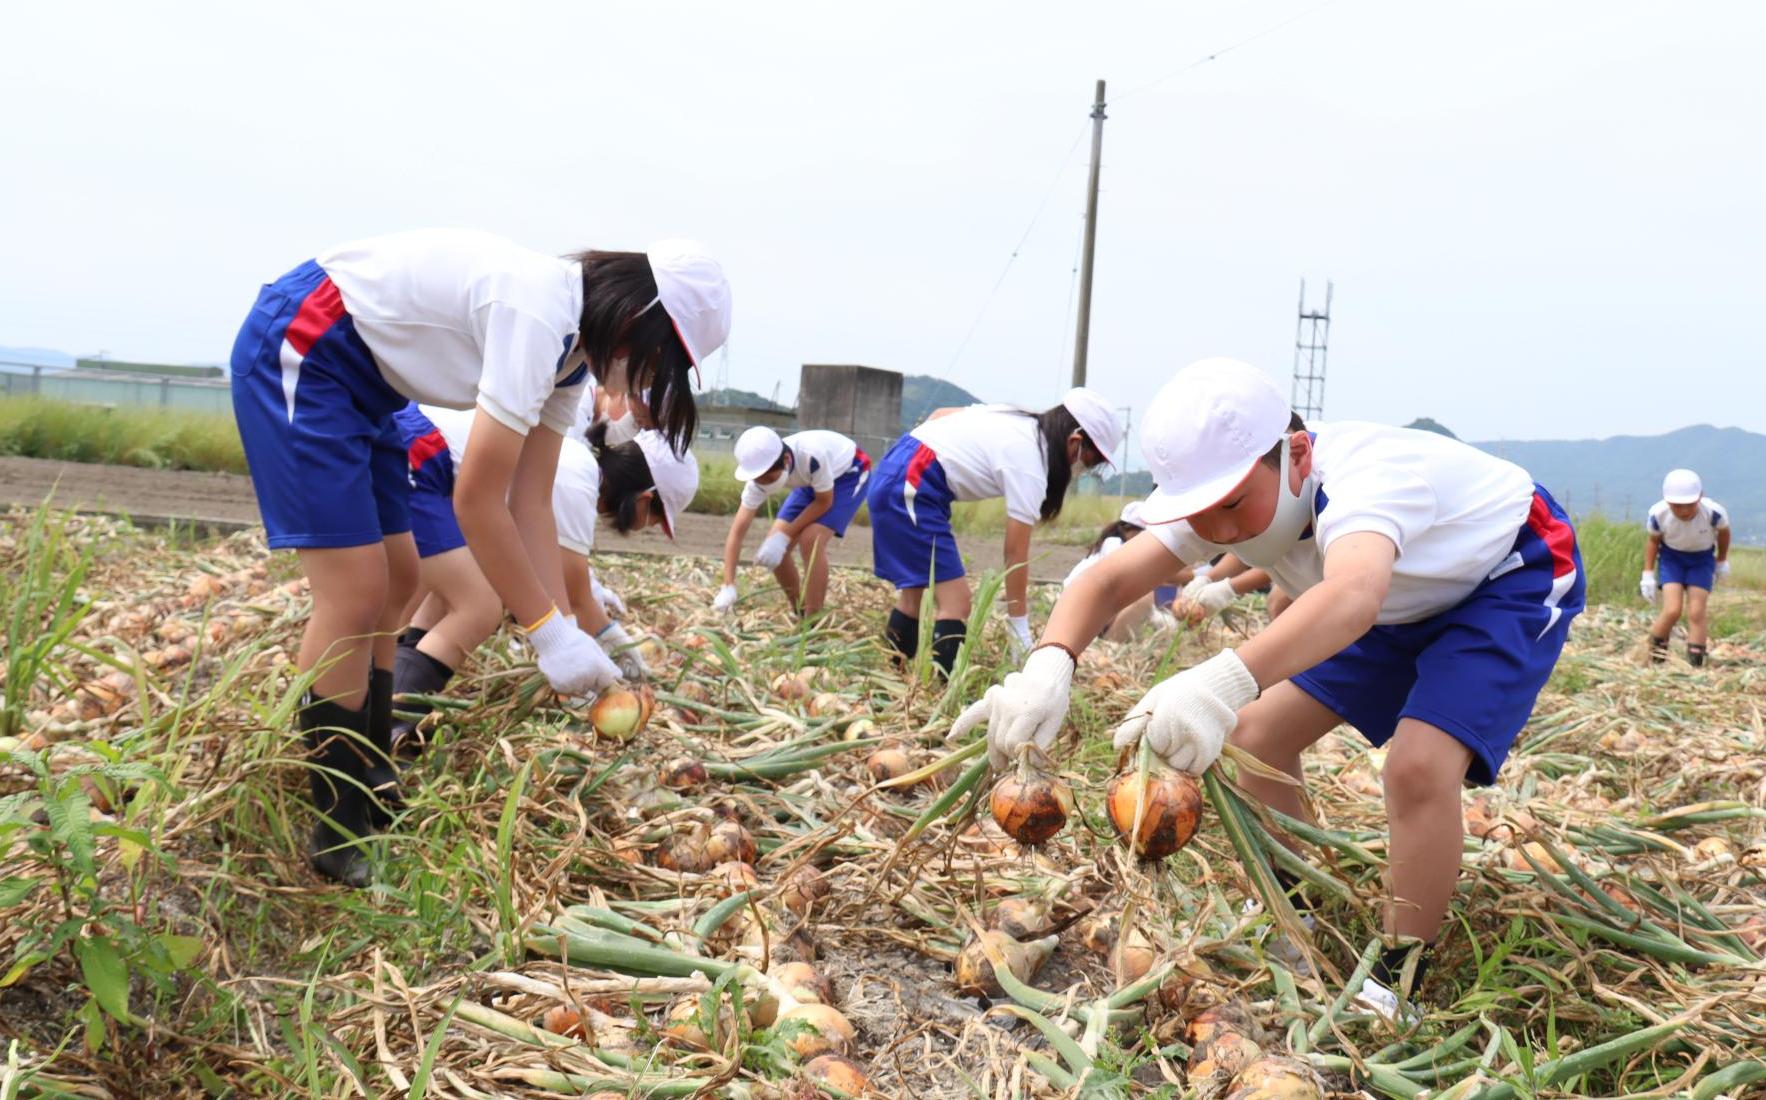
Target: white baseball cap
(756, 451)
(694, 292)
(1131, 514)
(1204, 431)
(676, 476)
(1097, 418)
(1682, 487)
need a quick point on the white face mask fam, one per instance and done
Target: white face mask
(622, 429)
(1293, 514)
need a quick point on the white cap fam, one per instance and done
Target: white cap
(1131, 514)
(676, 476)
(692, 288)
(1203, 433)
(1097, 418)
(1682, 487)
(756, 451)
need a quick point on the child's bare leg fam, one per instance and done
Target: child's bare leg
(1697, 624)
(1673, 597)
(1276, 729)
(786, 575)
(1425, 769)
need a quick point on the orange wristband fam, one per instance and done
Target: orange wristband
(541, 621)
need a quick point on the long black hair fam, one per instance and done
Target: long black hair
(1115, 529)
(621, 314)
(625, 477)
(1056, 425)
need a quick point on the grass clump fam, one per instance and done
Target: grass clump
(154, 438)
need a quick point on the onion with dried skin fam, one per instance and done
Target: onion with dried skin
(1029, 804)
(1173, 811)
(622, 712)
(974, 970)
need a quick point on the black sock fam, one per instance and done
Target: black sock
(1658, 649)
(411, 636)
(1695, 654)
(947, 639)
(902, 634)
(1389, 967)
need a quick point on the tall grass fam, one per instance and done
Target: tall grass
(161, 439)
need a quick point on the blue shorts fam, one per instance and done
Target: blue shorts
(433, 526)
(1165, 595)
(912, 545)
(1475, 670)
(849, 493)
(1693, 568)
(316, 419)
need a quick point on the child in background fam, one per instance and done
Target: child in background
(1152, 610)
(633, 485)
(1687, 553)
(1216, 586)
(978, 453)
(826, 473)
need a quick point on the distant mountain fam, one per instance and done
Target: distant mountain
(1621, 477)
(742, 398)
(1429, 424)
(921, 393)
(35, 357)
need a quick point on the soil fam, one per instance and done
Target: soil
(225, 502)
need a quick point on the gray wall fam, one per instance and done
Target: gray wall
(861, 402)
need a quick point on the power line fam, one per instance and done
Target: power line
(1046, 195)
(1223, 51)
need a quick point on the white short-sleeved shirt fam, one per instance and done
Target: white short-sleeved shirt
(991, 451)
(1693, 535)
(459, 318)
(1452, 511)
(1090, 560)
(819, 459)
(576, 490)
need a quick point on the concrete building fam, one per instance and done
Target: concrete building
(861, 402)
(719, 425)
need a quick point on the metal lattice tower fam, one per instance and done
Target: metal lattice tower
(1312, 337)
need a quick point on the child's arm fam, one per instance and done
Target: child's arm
(733, 542)
(1653, 544)
(590, 616)
(1017, 559)
(1723, 544)
(1646, 583)
(1331, 615)
(1249, 581)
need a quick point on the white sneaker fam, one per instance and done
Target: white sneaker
(1384, 1003)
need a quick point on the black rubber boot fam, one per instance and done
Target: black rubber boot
(1695, 655)
(947, 641)
(337, 764)
(414, 672)
(903, 635)
(382, 777)
(1658, 650)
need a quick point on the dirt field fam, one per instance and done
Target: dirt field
(225, 502)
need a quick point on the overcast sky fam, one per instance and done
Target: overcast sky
(1543, 219)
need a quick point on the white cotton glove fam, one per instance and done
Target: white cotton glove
(1161, 619)
(618, 643)
(1722, 570)
(1018, 630)
(772, 551)
(1646, 586)
(571, 661)
(725, 598)
(1212, 597)
(1187, 717)
(611, 605)
(1028, 707)
(1197, 583)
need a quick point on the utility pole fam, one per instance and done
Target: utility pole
(1127, 412)
(1312, 337)
(1082, 333)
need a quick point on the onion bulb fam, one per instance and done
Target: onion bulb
(1173, 808)
(730, 843)
(974, 970)
(1131, 957)
(827, 1031)
(1277, 1078)
(805, 983)
(1022, 918)
(840, 1073)
(802, 889)
(1224, 1056)
(563, 1020)
(621, 712)
(1031, 805)
(688, 849)
(888, 762)
(682, 774)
